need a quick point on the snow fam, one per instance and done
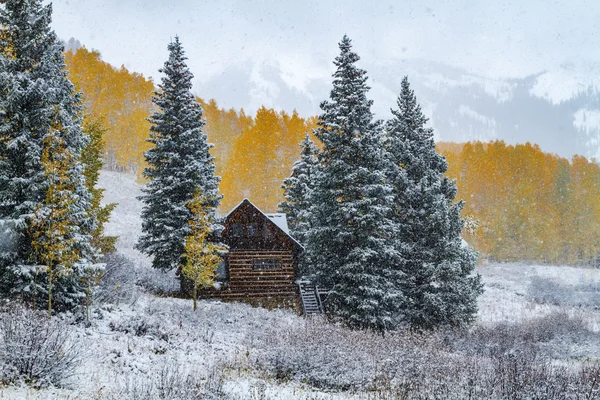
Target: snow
(280, 220)
(125, 221)
(135, 342)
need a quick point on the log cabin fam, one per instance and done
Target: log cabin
(262, 264)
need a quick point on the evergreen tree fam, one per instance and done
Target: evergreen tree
(297, 189)
(436, 266)
(38, 108)
(349, 241)
(179, 165)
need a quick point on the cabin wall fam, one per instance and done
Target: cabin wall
(255, 273)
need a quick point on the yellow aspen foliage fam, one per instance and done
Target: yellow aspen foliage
(202, 256)
(52, 227)
(119, 97)
(530, 205)
(262, 156)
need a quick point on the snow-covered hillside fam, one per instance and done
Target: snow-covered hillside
(125, 221)
(142, 346)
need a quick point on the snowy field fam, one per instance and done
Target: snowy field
(141, 346)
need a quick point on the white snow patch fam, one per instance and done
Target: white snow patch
(566, 82)
(125, 221)
(469, 112)
(280, 220)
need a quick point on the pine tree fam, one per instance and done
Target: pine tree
(349, 241)
(297, 189)
(179, 165)
(38, 108)
(436, 267)
(202, 255)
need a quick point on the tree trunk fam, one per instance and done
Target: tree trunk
(50, 294)
(35, 289)
(88, 294)
(195, 295)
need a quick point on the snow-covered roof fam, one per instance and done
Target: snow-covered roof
(280, 220)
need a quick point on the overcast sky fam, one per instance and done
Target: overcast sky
(495, 39)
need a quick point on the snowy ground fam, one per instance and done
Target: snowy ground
(230, 350)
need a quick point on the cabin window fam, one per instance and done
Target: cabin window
(266, 264)
(236, 230)
(252, 229)
(267, 231)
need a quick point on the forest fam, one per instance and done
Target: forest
(521, 203)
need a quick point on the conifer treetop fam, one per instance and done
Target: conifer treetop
(348, 107)
(179, 165)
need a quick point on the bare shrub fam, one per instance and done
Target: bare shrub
(170, 382)
(140, 325)
(531, 336)
(118, 280)
(123, 281)
(546, 291)
(36, 350)
(500, 362)
(329, 356)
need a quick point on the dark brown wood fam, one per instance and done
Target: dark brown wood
(262, 262)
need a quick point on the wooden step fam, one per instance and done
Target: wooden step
(311, 303)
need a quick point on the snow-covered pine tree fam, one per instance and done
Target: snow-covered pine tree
(37, 101)
(297, 188)
(179, 165)
(436, 266)
(348, 243)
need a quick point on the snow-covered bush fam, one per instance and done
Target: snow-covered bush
(118, 280)
(329, 356)
(36, 350)
(499, 362)
(157, 281)
(547, 291)
(140, 325)
(171, 381)
(123, 280)
(548, 334)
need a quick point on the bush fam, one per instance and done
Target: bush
(118, 280)
(36, 350)
(500, 362)
(170, 382)
(529, 337)
(140, 325)
(546, 291)
(123, 281)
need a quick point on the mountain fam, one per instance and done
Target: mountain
(559, 109)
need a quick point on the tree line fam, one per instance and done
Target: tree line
(253, 153)
(527, 204)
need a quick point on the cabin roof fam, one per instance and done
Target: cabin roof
(279, 219)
